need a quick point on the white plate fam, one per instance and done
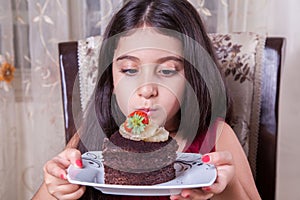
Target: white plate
(190, 173)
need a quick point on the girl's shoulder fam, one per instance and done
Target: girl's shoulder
(221, 127)
(225, 127)
(226, 138)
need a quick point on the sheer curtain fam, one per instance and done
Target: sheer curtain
(283, 21)
(8, 133)
(31, 117)
(224, 16)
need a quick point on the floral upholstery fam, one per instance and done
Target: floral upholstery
(88, 55)
(240, 58)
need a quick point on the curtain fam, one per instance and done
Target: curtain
(224, 16)
(8, 144)
(284, 21)
(31, 116)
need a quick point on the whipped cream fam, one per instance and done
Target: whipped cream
(152, 133)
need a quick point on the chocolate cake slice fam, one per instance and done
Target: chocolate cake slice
(140, 153)
(138, 162)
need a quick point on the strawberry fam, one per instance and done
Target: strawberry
(142, 114)
(136, 122)
(126, 127)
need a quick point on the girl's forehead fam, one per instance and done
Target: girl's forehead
(148, 38)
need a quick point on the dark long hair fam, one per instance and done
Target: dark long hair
(176, 15)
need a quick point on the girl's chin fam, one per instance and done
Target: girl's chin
(158, 121)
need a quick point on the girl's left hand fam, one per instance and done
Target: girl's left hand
(225, 170)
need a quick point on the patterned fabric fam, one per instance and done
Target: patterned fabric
(240, 58)
(88, 55)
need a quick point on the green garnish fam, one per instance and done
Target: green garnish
(136, 124)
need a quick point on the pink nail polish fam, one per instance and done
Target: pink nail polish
(206, 188)
(205, 158)
(62, 176)
(79, 163)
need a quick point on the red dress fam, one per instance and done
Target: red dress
(203, 143)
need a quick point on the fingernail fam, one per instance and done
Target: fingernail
(206, 188)
(205, 158)
(62, 176)
(79, 163)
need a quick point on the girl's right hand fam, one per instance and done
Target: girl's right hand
(55, 175)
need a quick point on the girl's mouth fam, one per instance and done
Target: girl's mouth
(147, 110)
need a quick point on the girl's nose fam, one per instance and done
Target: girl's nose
(148, 90)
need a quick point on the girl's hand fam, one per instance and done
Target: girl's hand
(225, 169)
(55, 175)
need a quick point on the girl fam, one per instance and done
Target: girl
(156, 57)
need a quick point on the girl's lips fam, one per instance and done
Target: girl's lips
(147, 110)
(144, 109)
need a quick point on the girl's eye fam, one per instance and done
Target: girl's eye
(167, 72)
(129, 72)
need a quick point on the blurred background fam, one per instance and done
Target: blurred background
(31, 113)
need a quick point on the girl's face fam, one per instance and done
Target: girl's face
(148, 75)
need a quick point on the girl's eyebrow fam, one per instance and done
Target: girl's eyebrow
(128, 58)
(167, 58)
(160, 60)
